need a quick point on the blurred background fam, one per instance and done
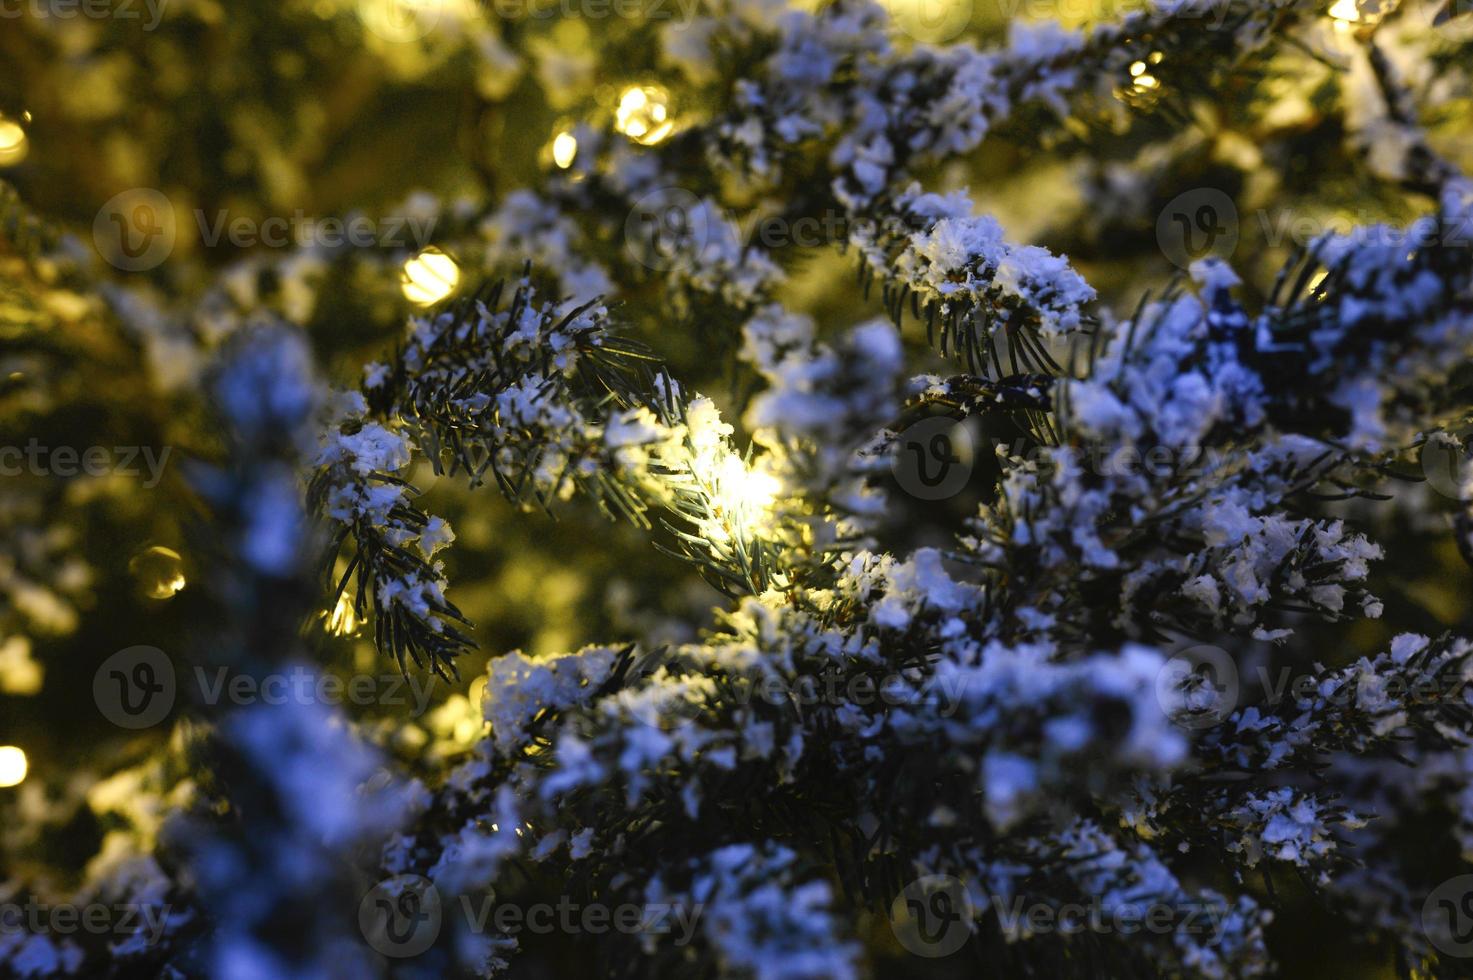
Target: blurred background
(436, 112)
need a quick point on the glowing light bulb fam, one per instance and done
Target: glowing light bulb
(644, 114)
(429, 277)
(564, 149)
(14, 144)
(343, 619)
(159, 572)
(13, 766)
(1346, 11)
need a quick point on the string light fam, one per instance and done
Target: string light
(741, 498)
(1140, 71)
(159, 572)
(564, 149)
(644, 114)
(429, 277)
(14, 144)
(13, 766)
(343, 619)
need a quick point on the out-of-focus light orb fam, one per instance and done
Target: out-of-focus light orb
(159, 572)
(564, 149)
(14, 144)
(1356, 14)
(13, 766)
(644, 114)
(429, 277)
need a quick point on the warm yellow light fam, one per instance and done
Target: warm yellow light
(14, 144)
(429, 277)
(644, 114)
(1138, 69)
(1146, 82)
(343, 619)
(13, 766)
(1356, 13)
(564, 149)
(740, 498)
(159, 571)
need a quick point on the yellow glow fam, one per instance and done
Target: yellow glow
(159, 571)
(1146, 82)
(13, 766)
(343, 619)
(14, 144)
(740, 497)
(564, 150)
(644, 114)
(1138, 69)
(1345, 10)
(429, 277)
